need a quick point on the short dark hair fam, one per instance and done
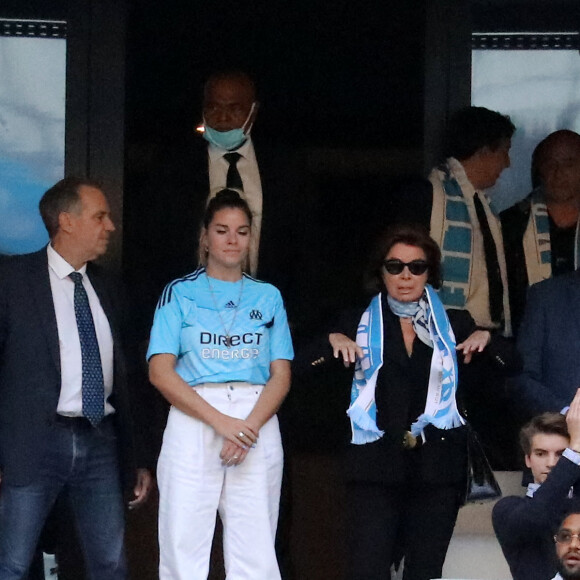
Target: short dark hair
(226, 198)
(411, 235)
(473, 128)
(230, 74)
(63, 196)
(571, 507)
(546, 423)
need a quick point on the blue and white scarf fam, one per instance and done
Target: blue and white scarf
(453, 216)
(440, 408)
(536, 241)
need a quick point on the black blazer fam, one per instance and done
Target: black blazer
(548, 343)
(30, 368)
(400, 396)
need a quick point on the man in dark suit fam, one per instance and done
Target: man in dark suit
(66, 416)
(549, 341)
(162, 229)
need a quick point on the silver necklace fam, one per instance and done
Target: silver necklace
(226, 330)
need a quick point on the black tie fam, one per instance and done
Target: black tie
(492, 263)
(233, 179)
(92, 386)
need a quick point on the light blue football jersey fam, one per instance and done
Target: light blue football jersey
(188, 325)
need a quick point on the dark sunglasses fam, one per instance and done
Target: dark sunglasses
(416, 267)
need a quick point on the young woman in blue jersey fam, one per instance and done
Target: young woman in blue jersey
(220, 353)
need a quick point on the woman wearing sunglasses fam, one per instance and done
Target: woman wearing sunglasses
(406, 465)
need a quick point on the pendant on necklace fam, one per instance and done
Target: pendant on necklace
(230, 304)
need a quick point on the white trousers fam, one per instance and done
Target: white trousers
(193, 485)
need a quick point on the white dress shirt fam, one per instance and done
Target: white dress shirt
(249, 172)
(70, 402)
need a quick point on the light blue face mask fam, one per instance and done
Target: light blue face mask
(228, 140)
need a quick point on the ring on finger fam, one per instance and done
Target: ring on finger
(241, 434)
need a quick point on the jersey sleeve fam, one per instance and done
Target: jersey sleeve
(166, 331)
(280, 338)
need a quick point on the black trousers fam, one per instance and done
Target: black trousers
(387, 521)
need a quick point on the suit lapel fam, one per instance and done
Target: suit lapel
(268, 183)
(573, 297)
(102, 292)
(112, 312)
(40, 289)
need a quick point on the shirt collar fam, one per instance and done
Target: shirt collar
(467, 188)
(246, 150)
(59, 265)
(532, 488)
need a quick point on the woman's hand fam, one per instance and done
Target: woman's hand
(232, 454)
(163, 376)
(342, 345)
(475, 342)
(237, 431)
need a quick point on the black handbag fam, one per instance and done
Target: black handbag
(481, 482)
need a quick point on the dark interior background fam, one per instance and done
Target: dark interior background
(362, 89)
(329, 73)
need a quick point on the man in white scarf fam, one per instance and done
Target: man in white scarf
(542, 232)
(455, 208)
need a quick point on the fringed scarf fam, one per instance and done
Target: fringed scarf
(536, 241)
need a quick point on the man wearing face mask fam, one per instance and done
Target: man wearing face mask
(222, 153)
(229, 111)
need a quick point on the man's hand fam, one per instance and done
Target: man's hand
(573, 422)
(142, 488)
(475, 342)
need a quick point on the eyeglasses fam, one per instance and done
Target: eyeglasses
(416, 267)
(565, 537)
